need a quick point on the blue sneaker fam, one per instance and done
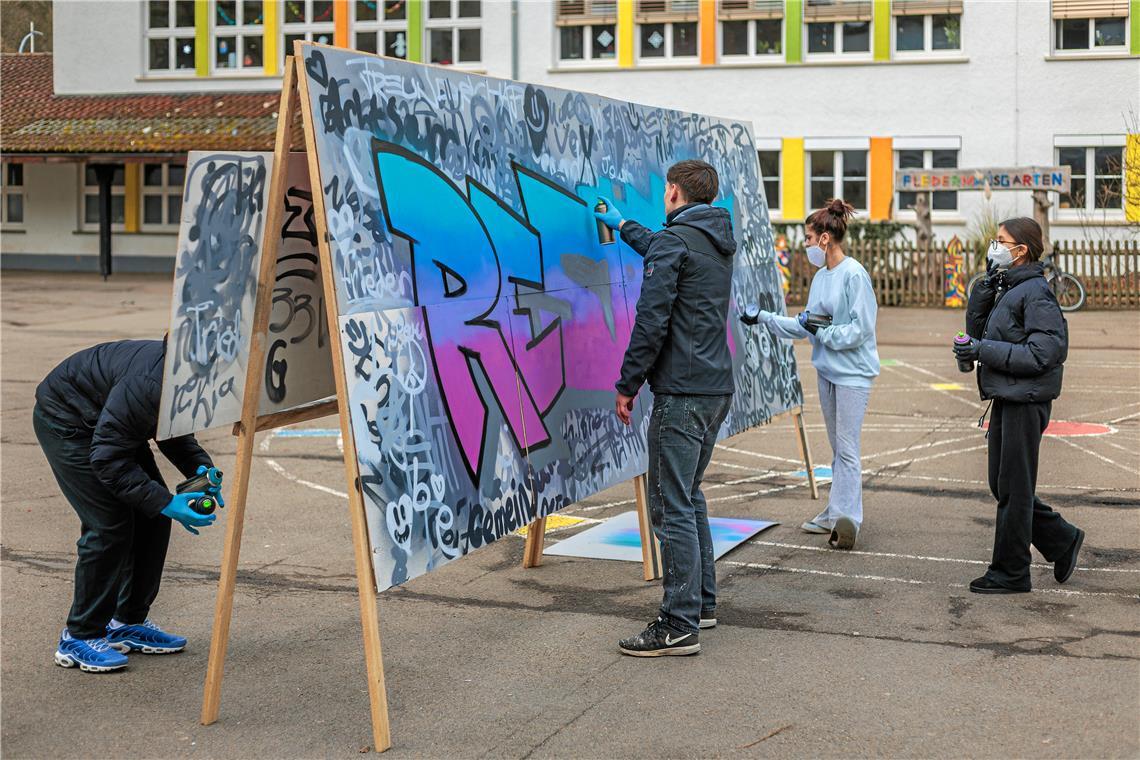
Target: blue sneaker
(91, 655)
(145, 637)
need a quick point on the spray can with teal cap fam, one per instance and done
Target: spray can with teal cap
(203, 482)
(966, 365)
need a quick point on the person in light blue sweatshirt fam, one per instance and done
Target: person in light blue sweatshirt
(839, 320)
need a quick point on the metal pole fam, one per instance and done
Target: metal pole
(104, 174)
(515, 39)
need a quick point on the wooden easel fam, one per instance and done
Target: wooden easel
(293, 88)
(650, 546)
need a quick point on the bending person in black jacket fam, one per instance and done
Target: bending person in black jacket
(679, 344)
(1020, 341)
(94, 417)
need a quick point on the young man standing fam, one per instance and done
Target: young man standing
(679, 345)
(94, 417)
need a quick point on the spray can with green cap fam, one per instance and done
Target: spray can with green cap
(964, 365)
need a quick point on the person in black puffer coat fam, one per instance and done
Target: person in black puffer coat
(94, 417)
(1020, 340)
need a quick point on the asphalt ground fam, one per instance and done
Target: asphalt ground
(881, 651)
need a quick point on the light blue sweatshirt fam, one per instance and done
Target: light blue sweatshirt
(845, 353)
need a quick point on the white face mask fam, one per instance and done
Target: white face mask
(816, 255)
(1001, 257)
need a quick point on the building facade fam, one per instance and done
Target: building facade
(840, 93)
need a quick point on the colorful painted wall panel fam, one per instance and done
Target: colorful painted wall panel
(483, 320)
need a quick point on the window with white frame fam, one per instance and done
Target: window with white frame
(162, 186)
(12, 190)
(838, 27)
(454, 30)
(238, 35)
(587, 31)
(1090, 26)
(927, 26)
(170, 36)
(770, 172)
(1097, 178)
(90, 193)
(667, 29)
(310, 20)
(936, 158)
(751, 28)
(381, 26)
(838, 174)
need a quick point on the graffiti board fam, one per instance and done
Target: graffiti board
(215, 281)
(482, 319)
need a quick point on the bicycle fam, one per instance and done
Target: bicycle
(1069, 290)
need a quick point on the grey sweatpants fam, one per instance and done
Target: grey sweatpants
(843, 407)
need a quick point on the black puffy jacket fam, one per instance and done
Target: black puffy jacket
(679, 341)
(109, 394)
(1025, 338)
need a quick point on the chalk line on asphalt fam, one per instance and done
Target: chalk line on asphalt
(909, 581)
(890, 555)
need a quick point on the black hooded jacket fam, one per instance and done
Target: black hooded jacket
(1024, 337)
(109, 395)
(679, 341)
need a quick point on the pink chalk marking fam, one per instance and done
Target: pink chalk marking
(1068, 429)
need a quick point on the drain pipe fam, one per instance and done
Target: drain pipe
(515, 39)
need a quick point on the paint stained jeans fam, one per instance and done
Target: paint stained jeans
(843, 407)
(121, 552)
(682, 433)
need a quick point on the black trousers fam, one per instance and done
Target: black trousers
(1022, 518)
(121, 552)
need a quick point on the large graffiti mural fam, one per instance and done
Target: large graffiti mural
(215, 281)
(483, 319)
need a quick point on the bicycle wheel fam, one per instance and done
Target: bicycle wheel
(973, 281)
(1069, 291)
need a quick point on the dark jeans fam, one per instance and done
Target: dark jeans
(1022, 518)
(121, 552)
(682, 432)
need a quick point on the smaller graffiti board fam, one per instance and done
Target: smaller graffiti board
(220, 239)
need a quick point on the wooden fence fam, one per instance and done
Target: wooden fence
(904, 275)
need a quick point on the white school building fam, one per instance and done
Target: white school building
(840, 94)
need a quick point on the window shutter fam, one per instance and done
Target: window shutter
(582, 12)
(749, 9)
(1089, 8)
(837, 10)
(667, 10)
(925, 7)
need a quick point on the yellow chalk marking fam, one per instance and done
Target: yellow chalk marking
(947, 386)
(553, 522)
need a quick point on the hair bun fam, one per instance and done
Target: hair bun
(841, 208)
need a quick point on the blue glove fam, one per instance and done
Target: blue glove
(803, 320)
(611, 217)
(968, 351)
(179, 509)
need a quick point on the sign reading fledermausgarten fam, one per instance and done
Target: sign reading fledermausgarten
(1052, 178)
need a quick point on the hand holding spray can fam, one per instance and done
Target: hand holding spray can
(203, 482)
(964, 365)
(605, 234)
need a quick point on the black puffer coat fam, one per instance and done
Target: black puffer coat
(109, 395)
(1025, 338)
(679, 341)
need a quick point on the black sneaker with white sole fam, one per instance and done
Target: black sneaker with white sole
(708, 619)
(660, 640)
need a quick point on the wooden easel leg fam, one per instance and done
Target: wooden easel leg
(650, 548)
(805, 450)
(365, 576)
(223, 605)
(535, 542)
